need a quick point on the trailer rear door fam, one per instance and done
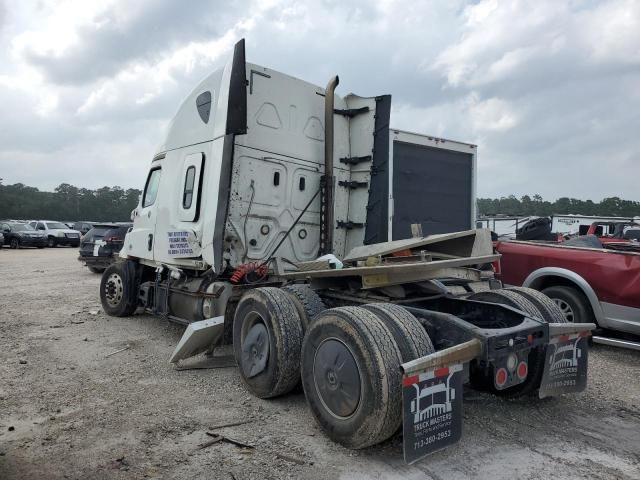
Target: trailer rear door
(432, 184)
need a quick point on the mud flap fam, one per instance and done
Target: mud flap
(431, 411)
(432, 400)
(565, 366)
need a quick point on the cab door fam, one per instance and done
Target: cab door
(178, 227)
(140, 240)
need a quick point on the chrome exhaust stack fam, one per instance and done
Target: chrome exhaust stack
(326, 184)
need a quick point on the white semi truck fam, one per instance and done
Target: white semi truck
(333, 250)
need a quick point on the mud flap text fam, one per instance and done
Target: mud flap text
(432, 411)
(565, 369)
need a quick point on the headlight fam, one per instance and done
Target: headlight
(59, 234)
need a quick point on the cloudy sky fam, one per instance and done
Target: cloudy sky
(548, 89)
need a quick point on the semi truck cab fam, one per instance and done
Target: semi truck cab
(330, 248)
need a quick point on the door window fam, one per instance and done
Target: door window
(189, 206)
(151, 188)
(189, 180)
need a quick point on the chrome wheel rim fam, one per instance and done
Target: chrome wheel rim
(566, 309)
(113, 290)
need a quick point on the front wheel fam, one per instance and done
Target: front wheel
(51, 242)
(15, 243)
(118, 289)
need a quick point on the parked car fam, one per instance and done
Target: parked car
(57, 233)
(587, 279)
(82, 227)
(100, 246)
(17, 235)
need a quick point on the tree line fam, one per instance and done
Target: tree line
(67, 203)
(536, 206)
(70, 203)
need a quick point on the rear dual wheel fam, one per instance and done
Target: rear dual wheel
(350, 359)
(308, 302)
(535, 305)
(267, 338)
(351, 374)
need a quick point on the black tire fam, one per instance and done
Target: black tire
(14, 243)
(536, 355)
(308, 303)
(573, 304)
(119, 289)
(508, 298)
(409, 334)
(351, 357)
(96, 269)
(272, 368)
(550, 311)
(40, 246)
(51, 242)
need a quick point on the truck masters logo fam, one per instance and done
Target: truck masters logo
(432, 406)
(565, 367)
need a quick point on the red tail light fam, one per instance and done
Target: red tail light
(523, 370)
(501, 377)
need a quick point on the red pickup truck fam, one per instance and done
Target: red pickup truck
(615, 232)
(588, 284)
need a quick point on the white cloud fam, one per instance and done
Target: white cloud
(544, 88)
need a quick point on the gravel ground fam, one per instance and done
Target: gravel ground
(67, 410)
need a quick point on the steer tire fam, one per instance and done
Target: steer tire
(351, 376)
(15, 243)
(119, 289)
(574, 303)
(308, 302)
(274, 315)
(550, 311)
(51, 242)
(409, 334)
(536, 355)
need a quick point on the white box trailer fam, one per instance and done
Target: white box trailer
(259, 174)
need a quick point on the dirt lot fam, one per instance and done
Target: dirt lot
(67, 410)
